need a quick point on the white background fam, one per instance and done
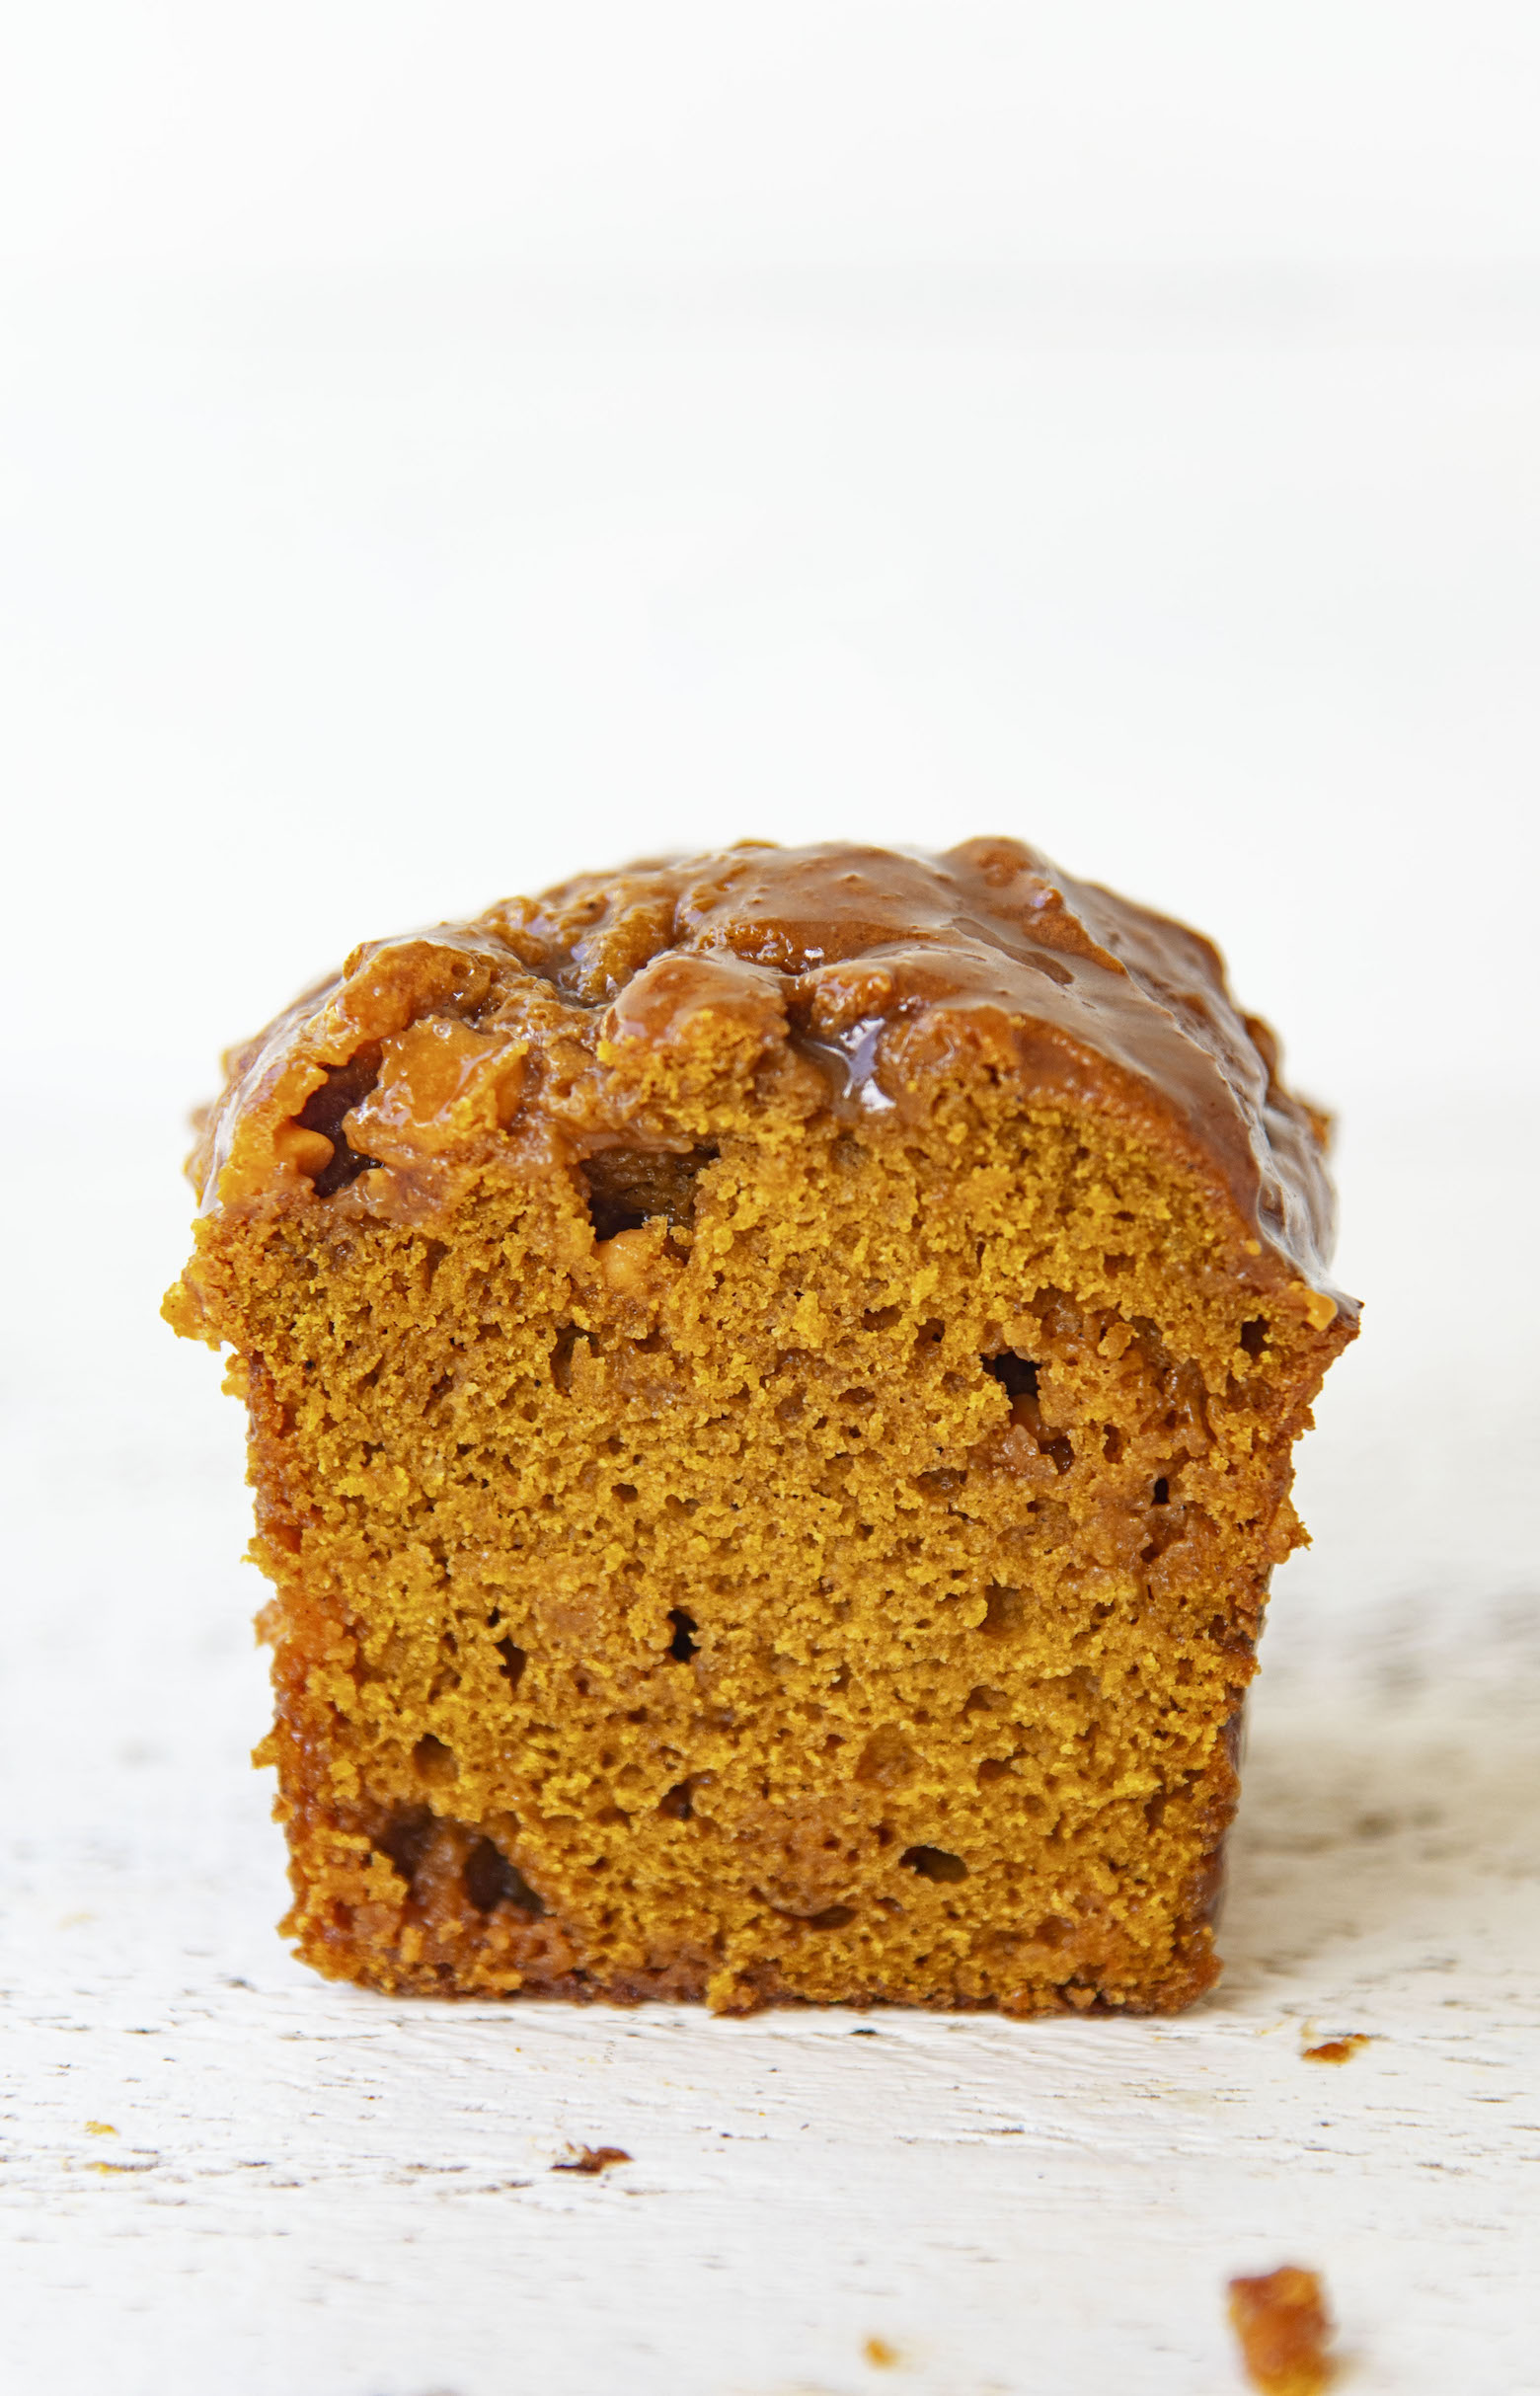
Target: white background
(446, 447)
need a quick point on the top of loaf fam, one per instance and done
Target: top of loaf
(628, 1008)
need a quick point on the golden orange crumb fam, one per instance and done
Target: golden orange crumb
(1283, 2328)
(878, 2353)
(1336, 2051)
(102, 2129)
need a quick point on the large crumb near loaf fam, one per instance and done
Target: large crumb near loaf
(772, 1380)
(1284, 2332)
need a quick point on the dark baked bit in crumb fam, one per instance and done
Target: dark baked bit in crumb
(1284, 2330)
(772, 1383)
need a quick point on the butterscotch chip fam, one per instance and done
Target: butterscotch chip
(1281, 2322)
(772, 1381)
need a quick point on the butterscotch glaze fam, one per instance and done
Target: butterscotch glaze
(859, 979)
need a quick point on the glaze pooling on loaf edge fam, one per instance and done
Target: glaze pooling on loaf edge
(883, 965)
(909, 1274)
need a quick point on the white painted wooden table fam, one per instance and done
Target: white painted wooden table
(219, 2177)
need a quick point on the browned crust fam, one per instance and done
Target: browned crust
(888, 971)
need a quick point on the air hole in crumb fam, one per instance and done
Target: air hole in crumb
(833, 1917)
(1005, 1610)
(491, 1881)
(881, 1317)
(677, 1803)
(324, 1110)
(510, 1661)
(991, 1771)
(1113, 1445)
(1016, 1375)
(625, 1492)
(1254, 1336)
(567, 1339)
(888, 1759)
(628, 1186)
(934, 1863)
(1162, 1496)
(1059, 1451)
(682, 1646)
(432, 1761)
(406, 1839)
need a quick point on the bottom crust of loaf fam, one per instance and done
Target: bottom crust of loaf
(423, 1905)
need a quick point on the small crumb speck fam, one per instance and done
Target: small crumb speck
(591, 2159)
(880, 2353)
(1336, 2051)
(102, 2129)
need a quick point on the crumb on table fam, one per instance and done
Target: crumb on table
(591, 2159)
(1336, 2051)
(1284, 2330)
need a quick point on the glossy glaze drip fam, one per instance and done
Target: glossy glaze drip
(892, 976)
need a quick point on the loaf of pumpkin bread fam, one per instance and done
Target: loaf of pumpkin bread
(772, 1380)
